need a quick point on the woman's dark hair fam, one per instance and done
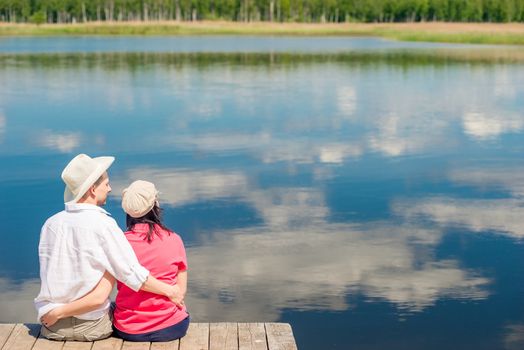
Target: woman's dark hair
(152, 218)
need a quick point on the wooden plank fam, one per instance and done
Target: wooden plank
(108, 344)
(77, 345)
(252, 336)
(280, 336)
(197, 337)
(200, 336)
(223, 336)
(22, 337)
(168, 345)
(46, 344)
(5, 332)
(136, 345)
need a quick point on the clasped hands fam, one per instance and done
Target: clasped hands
(176, 296)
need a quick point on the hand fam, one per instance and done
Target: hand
(176, 296)
(50, 318)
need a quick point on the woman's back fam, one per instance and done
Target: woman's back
(164, 256)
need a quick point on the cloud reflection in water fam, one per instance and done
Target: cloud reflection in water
(298, 259)
(319, 265)
(347, 100)
(3, 123)
(485, 127)
(501, 215)
(514, 338)
(62, 142)
(182, 186)
(16, 300)
(509, 179)
(397, 135)
(376, 112)
(271, 148)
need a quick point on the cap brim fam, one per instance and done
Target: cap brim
(103, 163)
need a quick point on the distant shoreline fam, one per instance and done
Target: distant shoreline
(474, 33)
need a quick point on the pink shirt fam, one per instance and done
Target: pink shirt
(142, 312)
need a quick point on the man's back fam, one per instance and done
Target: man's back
(76, 247)
(72, 255)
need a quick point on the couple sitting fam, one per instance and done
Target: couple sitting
(82, 251)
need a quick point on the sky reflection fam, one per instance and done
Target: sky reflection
(485, 127)
(3, 123)
(322, 266)
(501, 215)
(324, 261)
(503, 179)
(16, 300)
(342, 114)
(515, 337)
(353, 187)
(184, 186)
(61, 142)
(206, 43)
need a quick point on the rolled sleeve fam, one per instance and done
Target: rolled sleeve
(122, 262)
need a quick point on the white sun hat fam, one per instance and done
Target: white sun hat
(81, 173)
(139, 198)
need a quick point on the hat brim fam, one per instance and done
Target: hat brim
(103, 163)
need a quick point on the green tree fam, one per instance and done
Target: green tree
(38, 17)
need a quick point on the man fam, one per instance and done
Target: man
(80, 249)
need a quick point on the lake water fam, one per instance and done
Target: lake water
(369, 192)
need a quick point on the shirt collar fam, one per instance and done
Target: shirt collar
(73, 206)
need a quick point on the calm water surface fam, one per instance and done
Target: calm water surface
(370, 193)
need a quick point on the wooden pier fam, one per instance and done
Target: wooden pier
(200, 336)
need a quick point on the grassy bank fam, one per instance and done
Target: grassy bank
(477, 33)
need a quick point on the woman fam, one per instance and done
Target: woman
(142, 316)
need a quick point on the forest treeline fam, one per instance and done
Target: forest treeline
(73, 11)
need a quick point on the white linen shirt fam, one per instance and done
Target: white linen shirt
(76, 247)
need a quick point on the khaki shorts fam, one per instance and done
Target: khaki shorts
(72, 328)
